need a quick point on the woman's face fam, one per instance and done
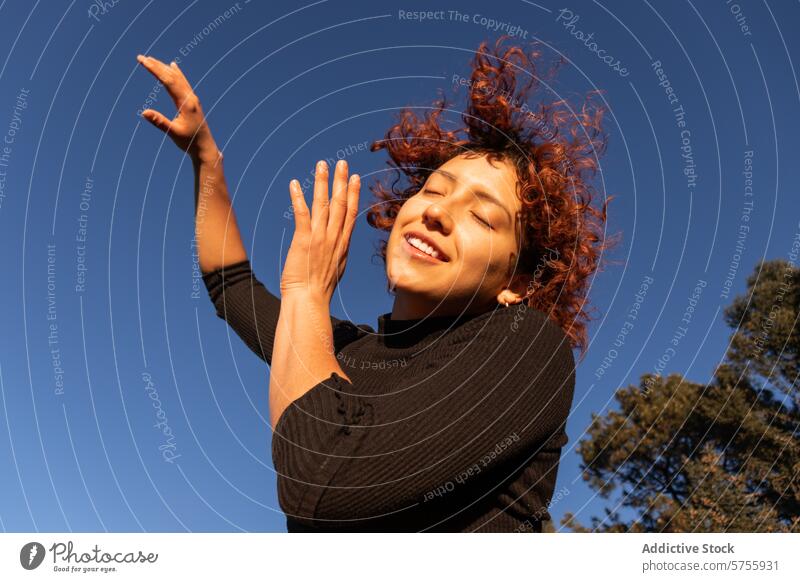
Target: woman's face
(468, 211)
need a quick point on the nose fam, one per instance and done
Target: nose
(437, 217)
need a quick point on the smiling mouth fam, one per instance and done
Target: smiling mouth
(417, 247)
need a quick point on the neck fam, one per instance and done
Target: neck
(408, 306)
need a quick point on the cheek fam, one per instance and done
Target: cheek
(478, 254)
(485, 257)
(409, 212)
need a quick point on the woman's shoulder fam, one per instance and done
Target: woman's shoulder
(516, 319)
(519, 327)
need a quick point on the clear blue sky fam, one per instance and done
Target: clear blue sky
(283, 86)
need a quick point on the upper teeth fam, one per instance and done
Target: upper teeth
(424, 247)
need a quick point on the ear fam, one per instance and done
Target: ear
(517, 289)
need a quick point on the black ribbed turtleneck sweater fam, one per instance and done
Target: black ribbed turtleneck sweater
(451, 423)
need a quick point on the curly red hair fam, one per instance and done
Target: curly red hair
(555, 151)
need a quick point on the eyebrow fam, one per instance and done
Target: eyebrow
(478, 192)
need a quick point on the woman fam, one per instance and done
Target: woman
(451, 416)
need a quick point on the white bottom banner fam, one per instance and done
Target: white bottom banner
(352, 557)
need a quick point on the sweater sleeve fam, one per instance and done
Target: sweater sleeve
(252, 310)
(500, 394)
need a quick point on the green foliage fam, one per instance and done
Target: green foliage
(687, 457)
(767, 334)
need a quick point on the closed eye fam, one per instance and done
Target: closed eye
(481, 220)
(478, 218)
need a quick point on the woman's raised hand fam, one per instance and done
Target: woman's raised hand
(318, 254)
(188, 129)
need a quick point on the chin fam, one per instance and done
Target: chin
(402, 277)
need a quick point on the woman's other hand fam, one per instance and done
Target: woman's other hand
(188, 129)
(318, 254)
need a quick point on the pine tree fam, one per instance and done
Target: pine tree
(722, 457)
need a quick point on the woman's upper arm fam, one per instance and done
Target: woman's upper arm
(483, 407)
(252, 310)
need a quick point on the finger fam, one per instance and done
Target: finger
(338, 201)
(169, 77)
(153, 65)
(302, 219)
(157, 119)
(157, 67)
(182, 78)
(353, 192)
(319, 207)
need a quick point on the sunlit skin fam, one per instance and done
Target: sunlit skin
(449, 211)
(482, 258)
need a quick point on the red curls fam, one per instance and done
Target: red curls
(555, 149)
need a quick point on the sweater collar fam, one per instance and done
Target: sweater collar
(408, 332)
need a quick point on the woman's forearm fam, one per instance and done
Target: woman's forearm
(303, 354)
(218, 240)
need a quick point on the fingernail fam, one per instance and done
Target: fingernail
(321, 166)
(341, 165)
